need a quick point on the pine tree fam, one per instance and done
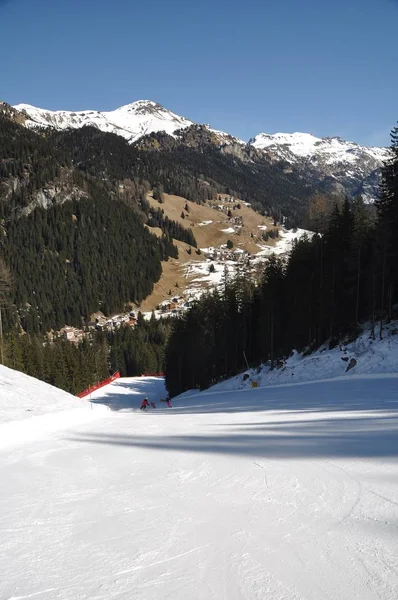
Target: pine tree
(387, 208)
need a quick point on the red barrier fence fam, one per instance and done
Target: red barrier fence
(152, 374)
(99, 385)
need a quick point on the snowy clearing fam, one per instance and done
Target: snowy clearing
(284, 244)
(286, 492)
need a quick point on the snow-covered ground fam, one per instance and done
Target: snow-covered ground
(363, 356)
(204, 280)
(284, 243)
(30, 409)
(287, 492)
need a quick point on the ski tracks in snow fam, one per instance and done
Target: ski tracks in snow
(165, 507)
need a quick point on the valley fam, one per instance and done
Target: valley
(212, 228)
(198, 300)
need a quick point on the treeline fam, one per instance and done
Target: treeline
(139, 350)
(67, 366)
(28, 156)
(111, 157)
(74, 367)
(328, 286)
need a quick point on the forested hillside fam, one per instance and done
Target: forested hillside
(328, 286)
(194, 165)
(73, 205)
(206, 165)
(72, 244)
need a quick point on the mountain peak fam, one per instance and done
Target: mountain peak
(131, 121)
(140, 105)
(353, 167)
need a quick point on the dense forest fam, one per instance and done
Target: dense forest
(72, 243)
(329, 284)
(74, 367)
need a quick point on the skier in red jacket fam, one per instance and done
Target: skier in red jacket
(144, 404)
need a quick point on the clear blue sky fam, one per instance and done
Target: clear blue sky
(244, 66)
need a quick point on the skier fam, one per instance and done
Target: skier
(153, 405)
(144, 404)
(168, 401)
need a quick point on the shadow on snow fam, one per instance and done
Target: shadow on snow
(128, 395)
(356, 418)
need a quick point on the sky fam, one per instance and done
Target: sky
(242, 66)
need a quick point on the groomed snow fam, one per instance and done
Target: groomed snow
(279, 493)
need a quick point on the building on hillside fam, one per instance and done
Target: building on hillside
(71, 334)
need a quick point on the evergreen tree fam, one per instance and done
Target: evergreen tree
(387, 207)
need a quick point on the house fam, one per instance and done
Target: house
(68, 333)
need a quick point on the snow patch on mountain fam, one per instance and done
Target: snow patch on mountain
(131, 121)
(306, 145)
(347, 166)
(284, 244)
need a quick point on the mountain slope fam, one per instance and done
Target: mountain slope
(352, 358)
(73, 245)
(331, 164)
(31, 409)
(342, 166)
(131, 121)
(194, 164)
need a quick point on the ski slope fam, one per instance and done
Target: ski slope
(287, 492)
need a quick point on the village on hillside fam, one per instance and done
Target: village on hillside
(207, 268)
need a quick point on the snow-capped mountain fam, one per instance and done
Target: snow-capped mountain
(131, 121)
(331, 164)
(346, 166)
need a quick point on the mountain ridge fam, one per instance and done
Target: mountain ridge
(142, 107)
(339, 166)
(131, 121)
